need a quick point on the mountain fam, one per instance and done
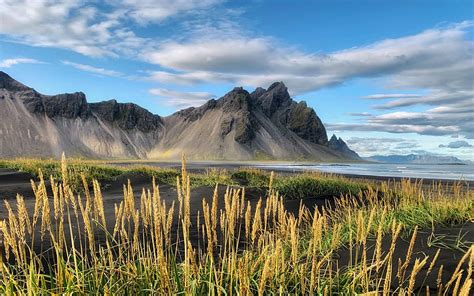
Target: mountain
(264, 124)
(416, 159)
(337, 144)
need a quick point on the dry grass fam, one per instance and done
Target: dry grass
(260, 250)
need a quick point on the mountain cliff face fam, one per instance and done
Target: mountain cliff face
(264, 124)
(126, 116)
(282, 110)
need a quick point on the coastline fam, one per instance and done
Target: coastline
(292, 168)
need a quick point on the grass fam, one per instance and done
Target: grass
(311, 184)
(243, 249)
(298, 186)
(452, 242)
(91, 169)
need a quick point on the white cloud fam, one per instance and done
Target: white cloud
(435, 97)
(92, 69)
(456, 145)
(183, 78)
(368, 146)
(452, 112)
(181, 99)
(70, 24)
(360, 114)
(145, 11)
(80, 26)
(447, 80)
(89, 27)
(424, 129)
(7, 63)
(391, 96)
(436, 121)
(214, 55)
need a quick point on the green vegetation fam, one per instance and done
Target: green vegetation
(91, 169)
(297, 186)
(251, 177)
(300, 185)
(244, 249)
(313, 185)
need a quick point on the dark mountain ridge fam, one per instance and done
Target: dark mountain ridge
(264, 124)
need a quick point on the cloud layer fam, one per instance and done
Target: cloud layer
(150, 11)
(369, 146)
(423, 60)
(92, 69)
(179, 99)
(456, 145)
(89, 27)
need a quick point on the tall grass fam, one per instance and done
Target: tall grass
(243, 249)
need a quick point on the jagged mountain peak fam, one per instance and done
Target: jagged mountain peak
(278, 86)
(274, 98)
(257, 93)
(238, 90)
(236, 100)
(339, 145)
(334, 139)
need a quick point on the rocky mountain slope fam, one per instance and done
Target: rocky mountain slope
(264, 124)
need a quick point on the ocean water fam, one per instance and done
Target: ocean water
(419, 171)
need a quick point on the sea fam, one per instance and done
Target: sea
(463, 172)
(418, 171)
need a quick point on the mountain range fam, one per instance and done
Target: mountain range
(263, 124)
(417, 159)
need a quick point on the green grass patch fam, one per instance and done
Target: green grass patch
(92, 170)
(308, 185)
(251, 177)
(299, 186)
(211, 177)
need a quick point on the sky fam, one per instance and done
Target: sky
(389, 77)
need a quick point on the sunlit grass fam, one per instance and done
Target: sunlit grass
(243, 249)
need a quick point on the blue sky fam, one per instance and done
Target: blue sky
(386, 76)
